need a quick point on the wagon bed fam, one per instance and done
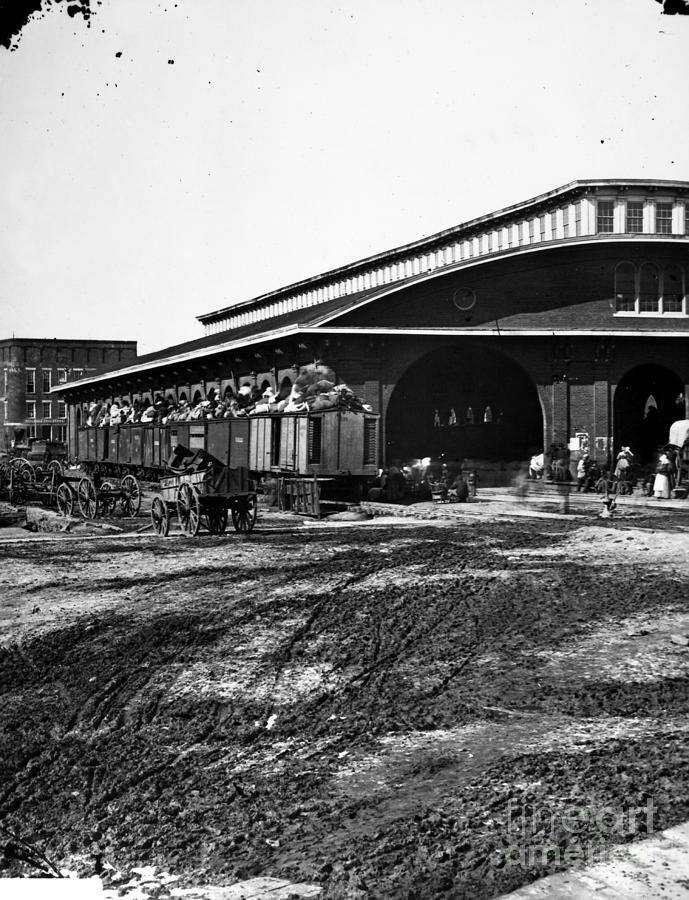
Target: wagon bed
(205, 492)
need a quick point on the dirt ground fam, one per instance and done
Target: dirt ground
(383, 709)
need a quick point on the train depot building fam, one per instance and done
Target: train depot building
(560, 320)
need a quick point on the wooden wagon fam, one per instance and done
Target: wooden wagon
(201, 491)
(93, 496)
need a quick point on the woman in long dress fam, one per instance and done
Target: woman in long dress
(661, 483)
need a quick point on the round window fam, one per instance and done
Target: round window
(464, 298)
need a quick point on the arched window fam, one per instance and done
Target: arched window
(183, 396)
(265, 384)
(197, 397)
(211, 394)
(625, 287)
(229, 393)
(673, 288)
(649, 288)
(650, 407)
(285, 388)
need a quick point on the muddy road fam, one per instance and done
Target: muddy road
(408, 710)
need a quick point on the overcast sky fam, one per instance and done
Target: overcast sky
(286, 138)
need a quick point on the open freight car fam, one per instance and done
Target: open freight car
(316, 456)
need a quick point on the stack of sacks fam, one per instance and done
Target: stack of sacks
(315, 389)
(94, 413)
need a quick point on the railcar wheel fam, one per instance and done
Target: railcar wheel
(244, 511)
(217, 519)
(131, 496)
(160, 518)
(106, 501)
(65, 500)
(87, 498)
(188, 509)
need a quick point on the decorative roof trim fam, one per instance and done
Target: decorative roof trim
(498, 332)
(465, 228)
(317, 324)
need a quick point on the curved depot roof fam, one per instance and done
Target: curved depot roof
(564, 217)
(523, 211)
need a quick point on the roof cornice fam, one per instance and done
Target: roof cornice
(534, 204)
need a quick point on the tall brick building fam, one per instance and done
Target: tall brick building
(31, 367)
(560, 319)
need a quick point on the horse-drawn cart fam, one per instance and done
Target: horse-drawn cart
(24, 482)
(95, 497)
(69, 490)
(202, 491)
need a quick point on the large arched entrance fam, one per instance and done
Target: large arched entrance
(463, 402)
(648, 400)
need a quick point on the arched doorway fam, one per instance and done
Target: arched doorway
(648, 400)
(465, 401)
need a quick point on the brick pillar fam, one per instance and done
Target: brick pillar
(602, 421)
(560, 407)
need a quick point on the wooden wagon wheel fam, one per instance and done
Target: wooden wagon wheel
(217, 519)
(18, 489)
(106, 501)
(24, 471)
(87, 498)
(188, 508)
(131, 496)
(160, 518)
(65, 500)
(55, 468)
(244, 511)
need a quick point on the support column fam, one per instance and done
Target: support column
(602, 421)
(560, 407)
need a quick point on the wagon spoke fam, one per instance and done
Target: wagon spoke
(131, 496)
(188, 508)
(106, 502)
(87, 498)
(217, 519)
(244, 514)
(159, 517)
(65, 500)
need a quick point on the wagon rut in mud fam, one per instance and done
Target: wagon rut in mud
(355, 709)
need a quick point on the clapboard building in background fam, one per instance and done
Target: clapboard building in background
(562, 319)
(30, 368)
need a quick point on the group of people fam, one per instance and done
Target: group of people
(306, 394)
(420, 480)
(656, 481)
